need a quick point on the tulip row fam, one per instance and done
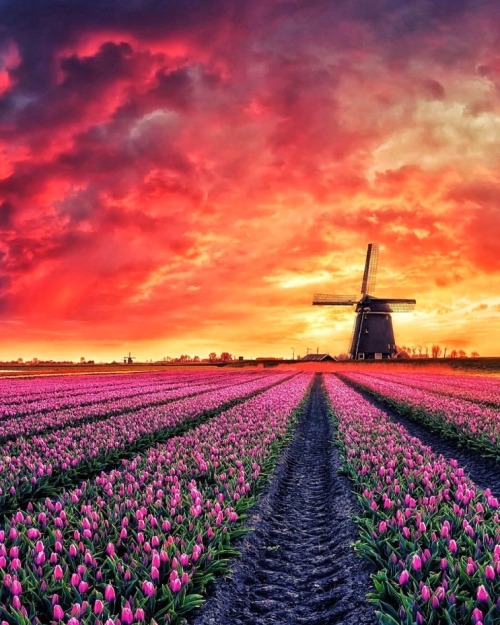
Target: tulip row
(432, 534)
(474, 424)
(478, 389)
(39, 387)
(86, 389)
(33, 466)
(139, 543)
(104, 405)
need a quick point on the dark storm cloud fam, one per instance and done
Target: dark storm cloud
(6, 215)
(111, 62)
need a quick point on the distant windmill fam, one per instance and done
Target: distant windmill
(128, 360)
(372, 336)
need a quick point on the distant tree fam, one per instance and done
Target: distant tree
(474, 354)
(453, 353)
(196, 359)
(462, 354)
(403, 352)
(226, 356)
(343, 356)
(436, 351)
(212, 356)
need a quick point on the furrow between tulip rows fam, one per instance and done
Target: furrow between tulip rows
(433, 535)
(478, 389)
(475, 425)
(139, 543)
(40, 465)
(103, 407)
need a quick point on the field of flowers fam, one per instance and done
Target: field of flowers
(140, 541)
(95, 437)
(121, 496)
(432, 534)
(471, 421)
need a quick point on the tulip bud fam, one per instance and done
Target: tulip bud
(16, 588)
(482, 594)
(109, 593)
(58, 612)
(58, 572)
(416, 562)
(404, 577)
(489, 573)
(148, 588)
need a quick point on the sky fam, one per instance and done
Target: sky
(181, 176)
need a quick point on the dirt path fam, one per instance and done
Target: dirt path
(298, 566)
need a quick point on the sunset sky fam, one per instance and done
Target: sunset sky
(179, 177)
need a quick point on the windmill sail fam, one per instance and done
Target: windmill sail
(370, 273)
(325, 299)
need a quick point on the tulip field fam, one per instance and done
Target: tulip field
(433, 535)
(468, 412)
(123, 497)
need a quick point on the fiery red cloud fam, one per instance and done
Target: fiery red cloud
(181, 177)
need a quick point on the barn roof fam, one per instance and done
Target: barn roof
(318, 358)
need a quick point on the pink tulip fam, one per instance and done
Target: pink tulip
(425, 593)
(416, 563)
(489, 573)
(404, 577)
(109, 593)
(127, 616)
(148, 588)
(98, 607)
(482, 594)
(58, 612)
(16, 588)
(58, 572)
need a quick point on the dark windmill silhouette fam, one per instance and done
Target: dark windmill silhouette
(129, 360)
(373, 335)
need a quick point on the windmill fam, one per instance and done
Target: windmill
(129, 360)
(372, 335)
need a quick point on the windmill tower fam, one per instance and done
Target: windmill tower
(373, 335)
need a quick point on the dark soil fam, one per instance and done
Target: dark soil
(484, 471)
(297, 565)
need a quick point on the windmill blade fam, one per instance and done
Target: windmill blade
(325, 299)
(397, 305)
(370, 274)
